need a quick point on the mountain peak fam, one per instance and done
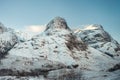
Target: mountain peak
(57, 23)
(2, 28)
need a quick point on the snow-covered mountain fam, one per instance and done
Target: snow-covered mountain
(7, 40)
(59, 53)
(96, 37)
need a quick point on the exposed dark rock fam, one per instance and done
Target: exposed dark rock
(75, 66)
(57, 23)
(9, 72)
(116, 67)
(109, 54)
(72, 43)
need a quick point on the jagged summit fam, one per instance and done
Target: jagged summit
(57, 23)
(94, 27)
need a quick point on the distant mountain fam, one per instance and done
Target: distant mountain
(61, 54)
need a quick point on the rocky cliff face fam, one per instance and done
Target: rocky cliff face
(57, 23)
(59, 53)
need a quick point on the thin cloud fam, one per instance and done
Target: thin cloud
(35, 28)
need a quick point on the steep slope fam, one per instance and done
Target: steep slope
(96, 37)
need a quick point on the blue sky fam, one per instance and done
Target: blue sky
(20, 13)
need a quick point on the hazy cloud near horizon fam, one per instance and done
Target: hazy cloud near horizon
(35, 28)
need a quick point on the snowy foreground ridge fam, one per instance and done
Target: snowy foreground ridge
(59, 53)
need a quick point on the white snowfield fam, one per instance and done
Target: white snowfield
(58, 52)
